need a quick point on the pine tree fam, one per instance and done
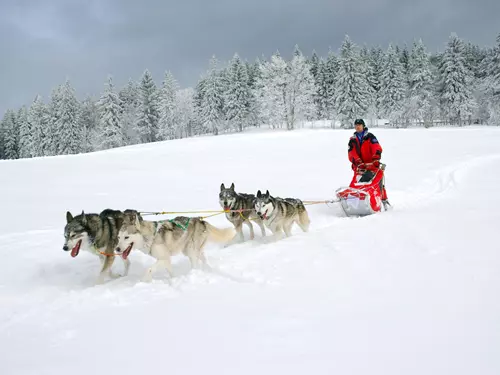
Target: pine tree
(491, 83)
(237, 96)
(50, 145)
(317, 69)
(198, 101)
(25, 134)
(314, 65)
(2, 140)
(456, 95)
(212, 103)
(111, 132)
(405, 63)
(419, 104)
(10, 135)
(392, 91)
(167, 122)
(329, 78)
(39, 119)
(300, 90)
(67, 131)
(129, 103)
(494, 70)
(186, 112)
(147, 123)
(369, 73)
(376, 61)
(352, 98)
(253, 71)
(272, 91)
(89, 124)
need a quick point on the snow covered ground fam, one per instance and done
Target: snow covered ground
(411, 291)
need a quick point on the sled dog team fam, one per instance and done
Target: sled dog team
(115, 233)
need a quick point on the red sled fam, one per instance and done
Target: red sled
(363, 196)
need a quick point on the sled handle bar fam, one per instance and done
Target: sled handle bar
(381, 167)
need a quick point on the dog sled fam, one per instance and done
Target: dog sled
(363, 196)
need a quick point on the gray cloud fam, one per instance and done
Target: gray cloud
(45, 41)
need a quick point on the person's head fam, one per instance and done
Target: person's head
(359, 125)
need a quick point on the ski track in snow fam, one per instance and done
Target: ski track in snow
(408, 291)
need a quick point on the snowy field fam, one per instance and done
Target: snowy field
(411, 291)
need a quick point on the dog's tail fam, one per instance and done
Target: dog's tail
(304, 220)
(220, 235)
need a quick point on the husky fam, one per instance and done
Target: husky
(229, 199)
(279, 214)
(97, 233)
(163, 239)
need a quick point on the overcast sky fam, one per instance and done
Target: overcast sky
(44, 41)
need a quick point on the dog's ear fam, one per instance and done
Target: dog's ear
(69, 217)
(259, 194)
(84, 218)
(139, 217)
(267, 194)
(137, 221)
(232, 186)
(222, 187)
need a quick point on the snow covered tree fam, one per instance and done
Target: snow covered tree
(50, 140)
(2, 135)
(186, 112)
(314, 65)
(376, 62)
(39, 119)
(404, 58)
(10, 135)
(419, 103)
(237, 96)
(392, 90)
(147, 123)
(489, 93)
(198, 100)
(456, 94)
(67, 132)
(167, 122)
(328, 76)
(129, 103)
(253, 71)
(369, 73)
(212, 99)
(89, 124)
(25, 134)
(111, 132)
(300, 90)
(352, 92)
(272, 91)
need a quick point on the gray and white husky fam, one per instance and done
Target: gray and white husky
(97, 233)
(279, 214)
(229, 199)
(163, 239)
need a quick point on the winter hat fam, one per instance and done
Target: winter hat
(359, 121)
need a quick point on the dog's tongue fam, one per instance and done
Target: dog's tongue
(127, 251)
(76, 249)
(227, 208)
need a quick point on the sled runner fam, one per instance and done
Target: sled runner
(363, 196)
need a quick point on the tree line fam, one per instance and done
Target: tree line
(404, 85)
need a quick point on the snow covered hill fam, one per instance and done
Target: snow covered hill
(411, 291)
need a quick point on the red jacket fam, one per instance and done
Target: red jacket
(368, 151)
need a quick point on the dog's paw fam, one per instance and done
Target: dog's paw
(147, 278)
